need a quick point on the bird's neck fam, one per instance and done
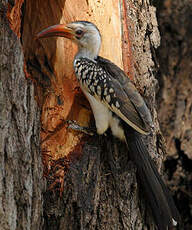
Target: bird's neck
(90, 53)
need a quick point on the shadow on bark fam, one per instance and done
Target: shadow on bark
(175, 99)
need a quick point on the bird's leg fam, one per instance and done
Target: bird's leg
(87, 130)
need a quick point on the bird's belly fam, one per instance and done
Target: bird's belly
(104, 118)
(101, 113)
(116, 128)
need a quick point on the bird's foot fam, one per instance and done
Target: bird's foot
(75, 126)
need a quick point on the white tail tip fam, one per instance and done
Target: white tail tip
(174, 222)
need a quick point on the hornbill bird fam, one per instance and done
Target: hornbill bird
(117, 105)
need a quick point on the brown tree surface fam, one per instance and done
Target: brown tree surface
(175, 99)
(21, 181)
(90, 182)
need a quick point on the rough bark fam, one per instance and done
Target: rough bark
(20, 159)
(94, 185)
(99, 190)
(175, 99)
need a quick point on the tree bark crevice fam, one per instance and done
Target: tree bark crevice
(19, 139)
(98, 194)
(88, 182)
(175, 99)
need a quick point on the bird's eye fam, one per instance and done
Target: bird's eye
(79, 32)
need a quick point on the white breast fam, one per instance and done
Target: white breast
(100, 112)
(104, 118)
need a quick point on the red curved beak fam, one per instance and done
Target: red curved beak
(56, 31)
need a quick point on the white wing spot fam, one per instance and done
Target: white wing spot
(117, 104)
(105, 91)
(108, 98)
(88, 81)
(92, 88)
(99, 90)
(95, 75)
(111, 90)
(86, 71)
(79, 69)
(91, 75)
(84, 76)
(95, 83)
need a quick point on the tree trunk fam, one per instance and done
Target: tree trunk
(175, 99)
(20, 160)
(96, 181)
(91, 183)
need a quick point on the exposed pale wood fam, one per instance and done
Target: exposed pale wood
(57, 140)
(59, 77)
(100, 189)
(95, 195)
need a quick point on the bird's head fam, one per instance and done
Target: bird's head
(85, 34)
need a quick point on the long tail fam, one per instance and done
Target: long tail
(162, 205)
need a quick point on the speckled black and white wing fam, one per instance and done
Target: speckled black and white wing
(137, 101)
(107, 84)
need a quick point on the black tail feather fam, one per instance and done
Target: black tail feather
(157, 194)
